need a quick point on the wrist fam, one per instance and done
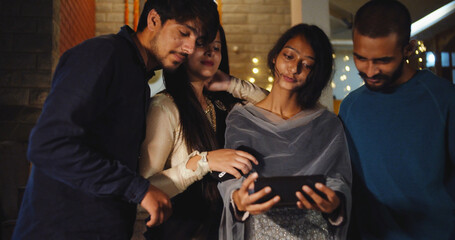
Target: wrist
(203, 163)
(230, 83)
(197, 161)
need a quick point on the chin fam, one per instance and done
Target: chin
(171, 66)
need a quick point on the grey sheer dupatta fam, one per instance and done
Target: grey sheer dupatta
(311, 142)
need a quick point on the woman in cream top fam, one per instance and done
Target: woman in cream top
(164, 152)
(185, 129)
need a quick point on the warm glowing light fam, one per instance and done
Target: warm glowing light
(333, 85)
(252, 80)
(417, 52)
(269, 87)
(255, 60)
(333, 55)
(422, 48)
(255, 70)
(420, 60)
(270, 79)
(346, 58)
(347, 68)
(407, 61)
(343, 77)
(348, 88)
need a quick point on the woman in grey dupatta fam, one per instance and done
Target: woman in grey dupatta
(291, 135)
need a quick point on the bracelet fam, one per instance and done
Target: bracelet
(203, 162)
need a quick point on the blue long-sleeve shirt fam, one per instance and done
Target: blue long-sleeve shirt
(402, 147)
(85, 145)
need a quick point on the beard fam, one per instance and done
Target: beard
(159, 56)
(388, 81)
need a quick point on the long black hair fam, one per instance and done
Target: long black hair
(199, 135)
(310, 92)
(195, 127)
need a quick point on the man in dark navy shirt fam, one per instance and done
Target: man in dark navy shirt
(85, 145)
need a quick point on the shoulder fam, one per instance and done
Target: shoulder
(353, 96)
(350, 100)
(435, 84)
(164, 100)
(163, 103)
(237, 111)
(102, 44)
(239, 116)
(330, 119)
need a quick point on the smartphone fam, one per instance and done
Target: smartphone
(287, 186)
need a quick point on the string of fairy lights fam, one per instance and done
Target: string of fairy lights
(255, 70)
(346, 78)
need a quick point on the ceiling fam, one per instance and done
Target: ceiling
(342, 13)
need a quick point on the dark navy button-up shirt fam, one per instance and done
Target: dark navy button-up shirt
(85, 145)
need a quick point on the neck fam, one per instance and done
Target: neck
(198, 87)
(145, 50)
(281, 102)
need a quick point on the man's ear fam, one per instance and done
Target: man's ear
(153, 20)
(410, 48)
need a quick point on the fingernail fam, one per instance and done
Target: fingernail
(268, 189)
(255, 174)
(318, 185)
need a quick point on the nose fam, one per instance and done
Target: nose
(208, 51)
(188, 46)
(295, 67)
(372, 69)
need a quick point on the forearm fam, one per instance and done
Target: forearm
(246, 90)
(66, 157)
(178, 178)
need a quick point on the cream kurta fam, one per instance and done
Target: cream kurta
(164, 153)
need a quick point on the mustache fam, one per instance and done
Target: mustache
(376, 77)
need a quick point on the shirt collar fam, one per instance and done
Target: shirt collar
(126, 33)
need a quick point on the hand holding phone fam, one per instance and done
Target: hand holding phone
(245, 200)
(287, 186)
(313, 200)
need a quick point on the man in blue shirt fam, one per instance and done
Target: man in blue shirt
(85, 145)
(400, 128)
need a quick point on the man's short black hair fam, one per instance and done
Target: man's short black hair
(380, 18)
(309, 94)
(203, 11)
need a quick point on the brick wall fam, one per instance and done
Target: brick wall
(25, 64)
(110, 16)
(77, 22)
(25, 74)
(252, 28)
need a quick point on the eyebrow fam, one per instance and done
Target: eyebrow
(193, 29)
(374, 59)
(310, 57)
